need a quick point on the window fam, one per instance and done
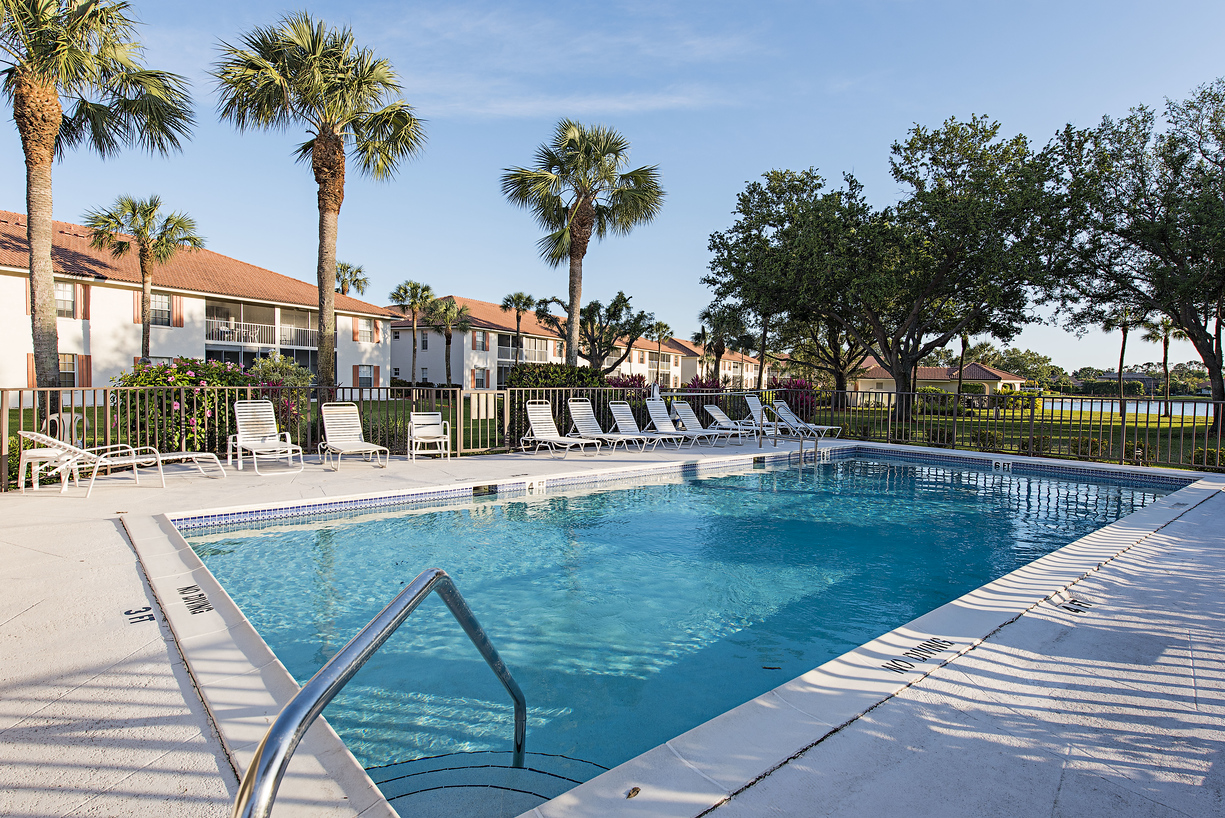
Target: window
(676, 380)
(480, 378)
(480, 341)
(425, 374)
(676, 360)
(159, 309)
(395, 335)
(880, 385)
(365, 376)
(365, 331)
(68, 364)
(642, 357)
(425, 344)
(65, 300)
(395, 372)
(557, 350)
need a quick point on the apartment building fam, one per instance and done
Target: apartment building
(205, 305)
(481, 357)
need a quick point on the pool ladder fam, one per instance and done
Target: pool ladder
(259, 785)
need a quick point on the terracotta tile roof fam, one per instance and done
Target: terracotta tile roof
(198, 271)
(974, 372)
(486, 315)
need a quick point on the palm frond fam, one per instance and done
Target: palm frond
(383, 138)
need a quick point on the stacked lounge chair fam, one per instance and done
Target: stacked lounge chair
(798, 427)
(626, 424)
(586, 426)
(663, 424)
(544, 432)
(684, 412)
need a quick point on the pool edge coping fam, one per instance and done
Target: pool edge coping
(244, 686)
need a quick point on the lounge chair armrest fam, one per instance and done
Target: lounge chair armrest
(114, 448)
(446, 428)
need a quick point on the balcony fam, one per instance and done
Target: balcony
(266, 335)
(530, 356)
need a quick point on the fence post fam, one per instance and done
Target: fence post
(4, 435)
(1031, 428)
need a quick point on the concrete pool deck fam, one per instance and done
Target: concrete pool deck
(105, 720)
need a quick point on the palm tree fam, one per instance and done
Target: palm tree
(519, 302)
(576, 190)
(1163, 330)
(726, 331)
(413, 298)
(961, 364)
(448, 317)
(83, 53)
(702, 338)
(301, 73)
(350, 277)
(1123, 319)
(138, 222)
(659, 332)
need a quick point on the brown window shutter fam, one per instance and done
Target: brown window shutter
(375, 380)
(356, 328)
(176, 310)
(77, 297)
(135, 360)
(473, 386)
(31, 371)
(136, 307)
(85, 370)
(86, 292)
(378, 332)
(356, 377)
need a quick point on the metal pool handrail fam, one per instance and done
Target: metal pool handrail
(259, 785)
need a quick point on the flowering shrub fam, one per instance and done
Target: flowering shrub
(699, 384)
(626, 381)
(179, 406)
(801, 395)
(284, 383)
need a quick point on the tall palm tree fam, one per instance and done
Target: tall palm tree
(138, 223)
(1163, 330)
(1123, 319)
(519, 302)
(350, 277)
(727, 330)
(84, 53)
(576, 190)
(702, 339)
(659, 332)
(413, 298)
(300, 73)
(448, 317)
(961, 363)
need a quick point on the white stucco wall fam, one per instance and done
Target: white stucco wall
(350, 353)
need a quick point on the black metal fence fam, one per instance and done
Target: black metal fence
(1180, 433)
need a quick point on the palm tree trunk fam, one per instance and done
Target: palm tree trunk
(581, 223)
(961, 365)
(328, 163)
(1122, 403)
(414, 347)
(146, 301)
(447, 365)
(761, 359)
(37, 112)
(1165, 368)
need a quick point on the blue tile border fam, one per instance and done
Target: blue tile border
(444, 497)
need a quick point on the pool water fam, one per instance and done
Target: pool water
(630, 615)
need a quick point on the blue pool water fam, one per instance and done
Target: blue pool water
(631, 615)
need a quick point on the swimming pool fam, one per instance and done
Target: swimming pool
(629, 616)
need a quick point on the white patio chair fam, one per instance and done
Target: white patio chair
(544, 432)
(342, 434)
(684, 412)
(426, 429)
(722, 421)
(258, 434)
(624, 416)
(118, 455)
(586, 426)
(757, 417)
(799, 427)
(662, 421)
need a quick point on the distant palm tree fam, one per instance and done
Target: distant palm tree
(1164, 330)
(727, 330)
(1123, 319)
(659, 332)
(448, 317)
(701, 338)
(413, 298)
(576, 190)
(82, 53)
(301, 73)
(350, 277)
(138, 223)
(519, 302)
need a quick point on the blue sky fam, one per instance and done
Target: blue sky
(714, 93)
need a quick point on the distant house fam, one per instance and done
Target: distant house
(204, 305)
(877, 379)
(1148, 381)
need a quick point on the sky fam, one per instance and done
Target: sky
(714, 93)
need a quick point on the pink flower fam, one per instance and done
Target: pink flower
(208, 413)
(176, 405)
(191, 422)
(191, 374)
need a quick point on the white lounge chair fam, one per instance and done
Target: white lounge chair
(626, 424)
(544, 432)
(342, 434)
(722, 421)
(799, 427)
(72, 458)
(587, 426)
(258, 434)
(757, 417)
(662, 421)
(426, 429)
(684, 412)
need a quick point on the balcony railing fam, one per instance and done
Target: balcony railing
(268, 335)
(531, 356)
